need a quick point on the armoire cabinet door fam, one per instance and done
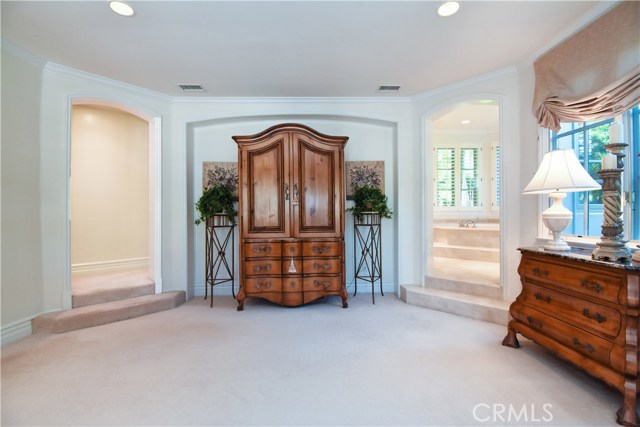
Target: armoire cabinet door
(264, 178)
(317, 188)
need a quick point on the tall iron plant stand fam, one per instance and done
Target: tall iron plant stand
(219, 269)
(367, 251)
(611, 246)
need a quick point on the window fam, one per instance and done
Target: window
(588, 140)
(457, 180)
(495, 177)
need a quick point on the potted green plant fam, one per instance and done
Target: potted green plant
(369, 199)
(216, 199)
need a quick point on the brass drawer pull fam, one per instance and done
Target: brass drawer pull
(258, 268)
(539, 296)
(586, 346)
(292, 285)
(593, 285)
(535, 322)
(323, 267)
(538, 272)
(262, 249)
(263, 285)
(320, 249)
(597, 317)
(324, 284)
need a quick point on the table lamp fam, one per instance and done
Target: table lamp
(559, 173)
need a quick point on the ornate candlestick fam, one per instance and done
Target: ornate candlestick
(636, 254)
(611, 246)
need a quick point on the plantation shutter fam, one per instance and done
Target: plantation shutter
(445, 177)
(496, 176)
(469, 177)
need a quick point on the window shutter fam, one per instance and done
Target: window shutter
(469, 177)
(445, 177)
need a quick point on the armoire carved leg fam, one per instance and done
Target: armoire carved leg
(627, 415)
(511, 340)
(344, 295)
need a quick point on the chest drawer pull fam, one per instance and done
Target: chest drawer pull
(586, 346)
(292, 285)
(539, 272)
(324, 267)
(263, 285)
(593, 285)
(262, 249)
(324, 284)
(539, 296)
(320, 249)
(597, 316)
(258, 268)
(535, 322)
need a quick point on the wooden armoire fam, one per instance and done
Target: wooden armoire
(291, 214)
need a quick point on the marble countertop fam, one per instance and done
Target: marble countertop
(583, 255)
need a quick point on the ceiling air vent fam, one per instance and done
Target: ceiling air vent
(388, 88)
(192, 88)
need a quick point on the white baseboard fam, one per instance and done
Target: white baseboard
(15, 331)
(111, 265)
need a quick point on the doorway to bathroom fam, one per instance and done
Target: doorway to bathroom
(465, 249)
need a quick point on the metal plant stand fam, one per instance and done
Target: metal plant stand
(218, 269)
(367, 251)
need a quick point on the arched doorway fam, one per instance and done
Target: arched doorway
(114, 193)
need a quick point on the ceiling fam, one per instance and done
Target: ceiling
(291, 48)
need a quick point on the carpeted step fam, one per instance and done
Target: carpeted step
(100, 314)
(114, 286)
(476, 307)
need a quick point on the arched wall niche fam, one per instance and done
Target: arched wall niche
(369, 139)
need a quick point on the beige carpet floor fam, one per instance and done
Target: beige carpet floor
(387, 364)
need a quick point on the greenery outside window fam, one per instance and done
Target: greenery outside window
(588, 139)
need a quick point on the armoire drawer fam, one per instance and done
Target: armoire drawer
(262, 284)
(262, 249)
(590, 345)
(263, 267)
(585, 281)
(599, 318)
(321, 266)
(321, 249)
(322, 283)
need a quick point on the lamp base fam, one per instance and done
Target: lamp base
(557, 244)
(610, 250)
(557, 218)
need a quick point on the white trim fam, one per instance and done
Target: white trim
(104, 80)
(297, 100)
(116, 264)
(454, 86)
(23, 54)
(15, 331)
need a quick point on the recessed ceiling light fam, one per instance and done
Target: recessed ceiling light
(465, 122)
(448, 8)
(122, 8)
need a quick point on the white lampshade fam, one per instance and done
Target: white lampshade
(560, 172)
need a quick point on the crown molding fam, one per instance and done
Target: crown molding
(23, 54)
(105, 80)
(507, 71)
(299, 100)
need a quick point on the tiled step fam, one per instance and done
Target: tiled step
(478, 287)
(479, 237)
(107, 287)
(473, 253)
(480, 308)
(100, 314)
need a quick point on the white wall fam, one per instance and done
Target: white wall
(109, 188)
(21, 209)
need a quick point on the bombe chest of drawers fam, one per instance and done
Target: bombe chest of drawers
(584, 311)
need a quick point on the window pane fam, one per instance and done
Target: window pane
(469, 177)
(445, 177)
